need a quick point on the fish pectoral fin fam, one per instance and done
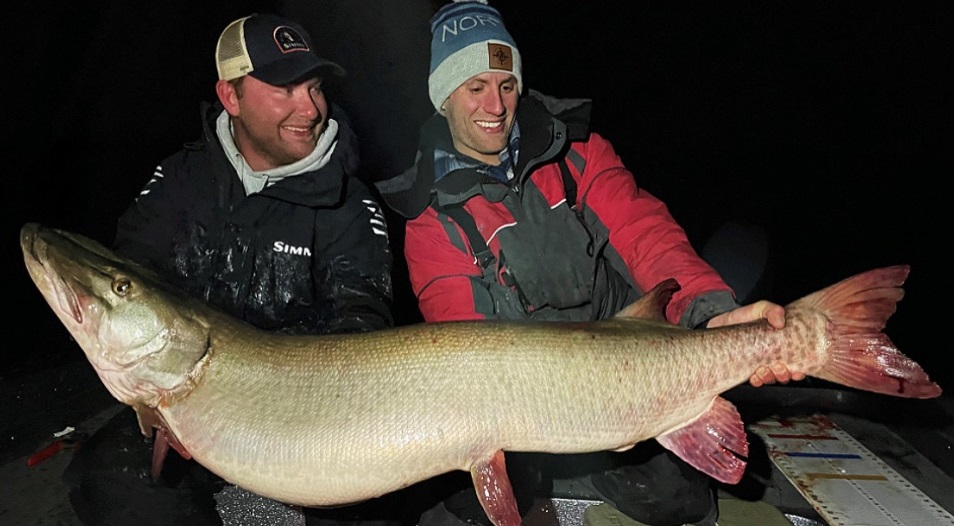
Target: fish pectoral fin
(494, 490)
(160, 447)
(148, 419)
(174, 442)
(715, 443)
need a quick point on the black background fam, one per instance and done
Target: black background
(825, 123)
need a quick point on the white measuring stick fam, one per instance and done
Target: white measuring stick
(845, 482)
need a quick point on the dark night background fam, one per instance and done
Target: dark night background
(821, 122)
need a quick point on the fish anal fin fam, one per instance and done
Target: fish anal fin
(652, 305)
(494, 490)
(715, 443)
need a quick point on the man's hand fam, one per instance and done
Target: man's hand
(775, 314)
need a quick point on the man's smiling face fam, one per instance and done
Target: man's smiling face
(480, 113)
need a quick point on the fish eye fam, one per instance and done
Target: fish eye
(121, 286)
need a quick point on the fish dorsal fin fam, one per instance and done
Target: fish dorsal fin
(715, 443)
(652, 306)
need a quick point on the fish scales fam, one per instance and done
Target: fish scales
(337, 419)
(376, 405)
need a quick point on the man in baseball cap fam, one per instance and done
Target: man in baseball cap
(257, 217)
(259, 57)
(271, 49)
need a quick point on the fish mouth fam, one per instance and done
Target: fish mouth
(67, 296)
(63, 292)
(68, 299)
(57, 288)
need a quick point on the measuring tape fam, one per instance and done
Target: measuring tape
(846, 483)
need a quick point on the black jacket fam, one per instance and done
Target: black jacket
(308, 254)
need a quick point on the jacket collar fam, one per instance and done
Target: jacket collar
(319, 187)
(547, 125)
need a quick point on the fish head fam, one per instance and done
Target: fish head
(142, 337)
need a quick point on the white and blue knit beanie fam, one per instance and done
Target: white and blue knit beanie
(468, 38)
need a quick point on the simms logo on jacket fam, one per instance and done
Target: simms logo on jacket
(280, 246)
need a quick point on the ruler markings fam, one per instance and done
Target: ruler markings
(844, 481)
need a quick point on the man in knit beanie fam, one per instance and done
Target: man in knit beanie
(516, 211)
(469, 38)
(470, 45)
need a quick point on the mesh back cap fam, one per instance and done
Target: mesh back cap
(271, 49)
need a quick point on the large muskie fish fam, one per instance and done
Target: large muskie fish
(334, 420)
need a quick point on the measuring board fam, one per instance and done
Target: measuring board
(846, 483)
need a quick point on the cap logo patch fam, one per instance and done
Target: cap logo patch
(500, 56)
(289, 40)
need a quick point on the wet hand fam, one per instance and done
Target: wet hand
(777, 372)
(773, 312)
(775, 315)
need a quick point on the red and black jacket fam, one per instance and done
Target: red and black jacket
(570, 237)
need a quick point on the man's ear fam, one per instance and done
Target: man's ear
(227, 96)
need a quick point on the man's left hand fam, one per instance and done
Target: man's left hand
(775, 315)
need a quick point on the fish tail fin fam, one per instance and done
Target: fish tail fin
(860, 355)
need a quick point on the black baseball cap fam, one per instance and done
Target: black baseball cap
(270, 48)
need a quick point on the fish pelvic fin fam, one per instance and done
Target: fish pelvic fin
(494, 490)
(652, 305)
(861, 356)
(715, 443)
